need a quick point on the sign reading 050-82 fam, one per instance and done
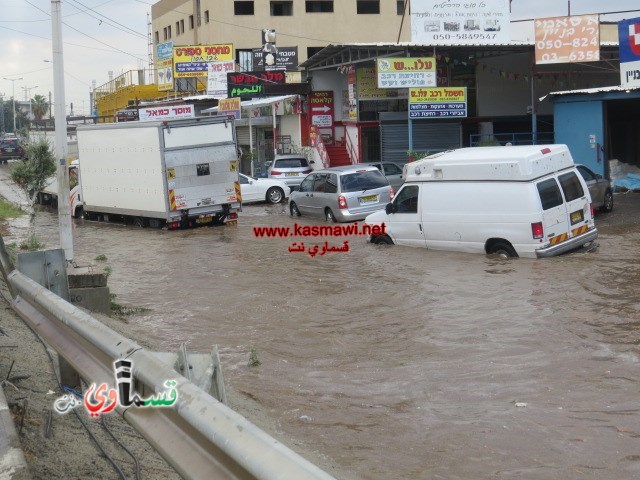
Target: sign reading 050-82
(192, 60)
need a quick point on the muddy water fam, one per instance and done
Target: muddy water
(399, 362)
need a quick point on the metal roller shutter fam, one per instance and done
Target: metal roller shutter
(427, 136)
(242, 135)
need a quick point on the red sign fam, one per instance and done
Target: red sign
(321, 109)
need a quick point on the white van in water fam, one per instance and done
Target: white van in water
(527, 201)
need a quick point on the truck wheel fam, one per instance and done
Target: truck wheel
(293, 209)
(503, 250)
(608, 201)
(78, 212)
(138, 222)
(275, 195)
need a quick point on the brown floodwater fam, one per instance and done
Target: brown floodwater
(396, 362)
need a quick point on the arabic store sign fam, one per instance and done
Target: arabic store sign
(438, 102)
(446, 22)
(166, 113)
(321, 109)
(251, 84)
(567, 39)
(629, 34)
(192, 60)
(405, 72)
(101, 399)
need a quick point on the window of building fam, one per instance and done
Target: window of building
(400, 7)
(181, 26)
(157, 37)
(169, 31)
(206, 16)
(164, 32)
(177, 28)
(243, 8)
(368, 6)
(198, 17)
(202, 169)
(281, 9)
(190, 22)
(319, 6)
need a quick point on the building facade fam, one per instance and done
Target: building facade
(309, 25)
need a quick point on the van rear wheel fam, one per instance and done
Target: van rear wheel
(503, 249)
(382, 240)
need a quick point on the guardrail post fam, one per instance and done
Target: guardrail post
(6, 265)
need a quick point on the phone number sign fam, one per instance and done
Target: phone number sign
(441, 102)
(567, 39)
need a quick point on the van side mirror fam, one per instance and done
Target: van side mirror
(390, 208)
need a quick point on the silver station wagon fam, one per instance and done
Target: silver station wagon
(341, 194)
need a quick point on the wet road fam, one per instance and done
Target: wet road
(399, 362)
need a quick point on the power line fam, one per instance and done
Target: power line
(107, 20)
(88, 36)
(45, 38)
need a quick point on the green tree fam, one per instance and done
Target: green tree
(33, 174)
(39, 107)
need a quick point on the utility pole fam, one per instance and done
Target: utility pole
(64, 210)
(1, 112)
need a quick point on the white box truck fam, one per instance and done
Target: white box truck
(527, 201)
(177, 173)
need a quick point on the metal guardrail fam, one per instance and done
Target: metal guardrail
(199, 436)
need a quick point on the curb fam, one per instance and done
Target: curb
(12, 463)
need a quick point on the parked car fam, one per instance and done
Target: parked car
(342, 194)
(291, 169)
(10, 148)
(392, 171)
(599, 188)
(262, 189)
(526, 201)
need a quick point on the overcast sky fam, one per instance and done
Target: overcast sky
(111, 35)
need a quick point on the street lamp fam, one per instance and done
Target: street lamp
(27, 96)
(13, 94)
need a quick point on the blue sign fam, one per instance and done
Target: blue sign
(629, 38)
(165, 50)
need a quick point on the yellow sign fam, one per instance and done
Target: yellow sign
(171, 173)
(403, 72)
(233, 166)
(367, 87)
(228, 104)
(164, 69)
(438, 102)
(193, 60)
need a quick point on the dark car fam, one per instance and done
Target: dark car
(599, 189)
(10, 148)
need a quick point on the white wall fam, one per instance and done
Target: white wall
(334, 81)
(290, 125)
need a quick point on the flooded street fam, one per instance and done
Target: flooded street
(399, 362)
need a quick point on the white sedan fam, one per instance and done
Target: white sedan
(262, 189)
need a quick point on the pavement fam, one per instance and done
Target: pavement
(12, 462)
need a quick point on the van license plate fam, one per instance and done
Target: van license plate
(291, 174)
(368, 199)
(204, 219)
(577, 217)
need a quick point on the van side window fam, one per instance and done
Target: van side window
(549, 194)
(307, 184)
(407, 200)
(332, 184)
(320, 183)
(571, 186)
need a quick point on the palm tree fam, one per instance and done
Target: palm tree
(39, 106)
